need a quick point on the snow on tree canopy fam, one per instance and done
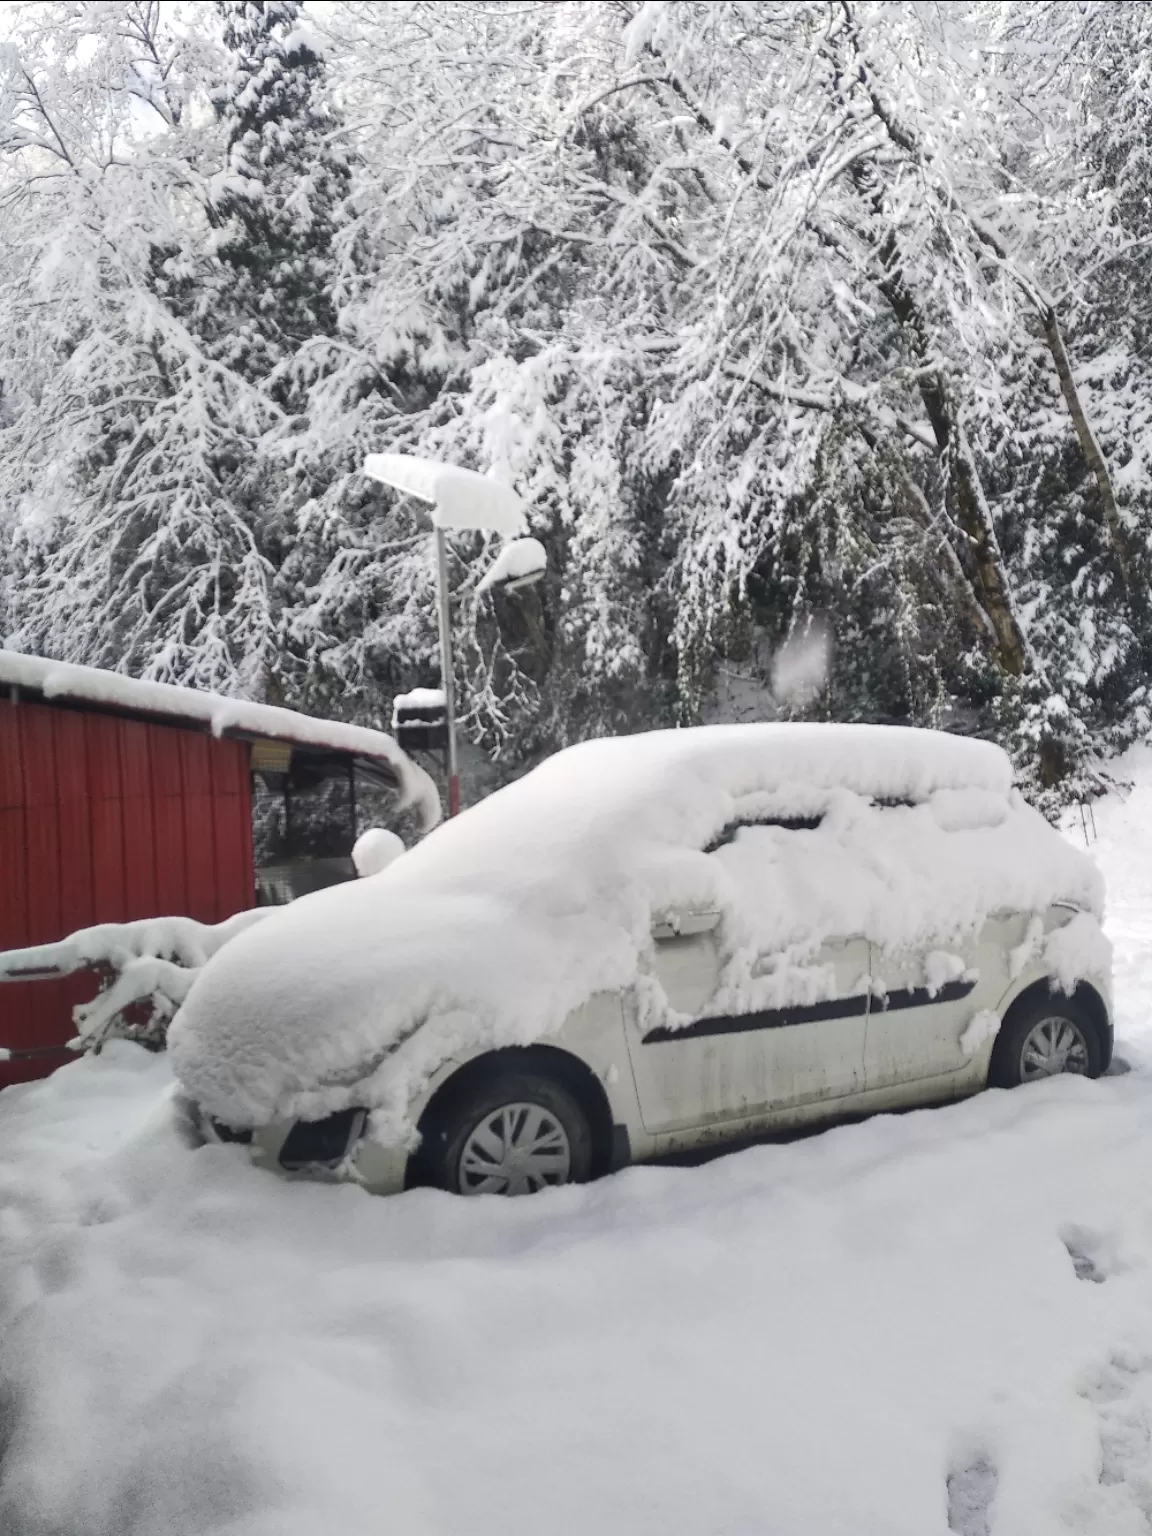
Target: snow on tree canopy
(494, 928)
(735, 297)
(63, 680)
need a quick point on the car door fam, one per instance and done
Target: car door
(725, 1068)
(920, 1007)
(923, 1002)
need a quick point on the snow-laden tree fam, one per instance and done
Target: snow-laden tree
(128, 447)
(278, 199)
(1068, 453)
(708, 274)
(198, 273)
(824, 317)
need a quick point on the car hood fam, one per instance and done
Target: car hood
(308, 1011)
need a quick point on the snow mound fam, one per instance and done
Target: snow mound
(189, 1347)
(499, 924)
(374, 850)
(984, 1026)
(1078, 949)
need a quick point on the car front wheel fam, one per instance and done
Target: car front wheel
(1044, 1037)
(514, 1134)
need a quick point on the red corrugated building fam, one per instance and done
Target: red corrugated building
(122, 800)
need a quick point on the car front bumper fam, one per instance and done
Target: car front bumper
(343, 1155)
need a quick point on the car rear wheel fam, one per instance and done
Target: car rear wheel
(1044, 1037)
(514, 1134)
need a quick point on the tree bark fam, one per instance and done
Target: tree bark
(1089, 447)
(980, 556)
(906, 140)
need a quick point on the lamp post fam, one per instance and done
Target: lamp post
(461, 498)
(447, 672)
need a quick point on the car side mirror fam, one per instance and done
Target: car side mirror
(682, 924)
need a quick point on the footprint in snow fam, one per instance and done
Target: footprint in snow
(1118, 1067)
(971, 1489)
(1087, 1251)
(1121, 1393)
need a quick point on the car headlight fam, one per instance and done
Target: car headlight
(229, 1133)
(322, 1143)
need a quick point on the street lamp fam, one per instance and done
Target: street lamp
(461, 498)
(519, 564)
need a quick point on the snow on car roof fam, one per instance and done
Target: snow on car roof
(886, 762)
(222, 716)
(498, 925)
(679, 781)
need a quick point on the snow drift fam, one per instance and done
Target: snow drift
(500, 923)
(929, 1322)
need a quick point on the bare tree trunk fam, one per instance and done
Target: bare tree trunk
(905, 139)
(975, 520)
(1089, 447)
(955, 581)
(980, 556)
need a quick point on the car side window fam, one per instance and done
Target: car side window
(786, 823)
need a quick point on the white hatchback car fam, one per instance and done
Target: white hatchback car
(657, 943)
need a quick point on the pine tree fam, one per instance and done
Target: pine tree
(822, 318)
(278, 202)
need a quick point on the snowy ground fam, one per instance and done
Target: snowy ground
(927, 1322)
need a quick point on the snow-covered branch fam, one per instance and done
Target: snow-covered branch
(151, 966)
(754, 304)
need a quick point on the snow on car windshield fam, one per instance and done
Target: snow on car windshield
(502, 922)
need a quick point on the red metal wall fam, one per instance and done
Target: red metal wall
(103, 820)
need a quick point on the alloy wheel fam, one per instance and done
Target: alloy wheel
(1052, 1046)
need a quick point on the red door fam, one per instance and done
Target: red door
(103, 820)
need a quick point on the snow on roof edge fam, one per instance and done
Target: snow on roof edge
(68, 680)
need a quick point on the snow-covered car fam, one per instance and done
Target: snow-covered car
(653, 943)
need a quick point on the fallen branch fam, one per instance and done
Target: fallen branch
(151, 964)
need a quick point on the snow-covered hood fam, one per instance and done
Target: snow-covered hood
(501, 922)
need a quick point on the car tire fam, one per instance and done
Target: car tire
(1045, 1026)
(512, 1133)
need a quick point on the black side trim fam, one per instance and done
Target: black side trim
(33, 1051)
(809, 1013)
(920, 997)
(767, 1018)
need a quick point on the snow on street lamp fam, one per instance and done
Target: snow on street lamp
(461, 498)
(520, 563)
